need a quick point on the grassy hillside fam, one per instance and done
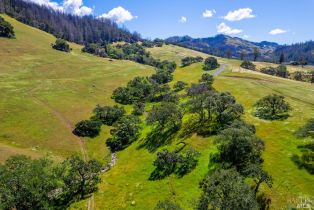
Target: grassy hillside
(44, 92)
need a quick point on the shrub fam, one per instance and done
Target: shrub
(298, 75)
(87, 128)
(269, 70)
(190, 60)
(179, 85)
(6, 29)
(307, 130)
(306, 159)
(281, 71)
(248, 65)
(167, 205)
(210, 63)
(107, 114)
(138, 108)
(61, 45)
(208, 79)
(272, 107)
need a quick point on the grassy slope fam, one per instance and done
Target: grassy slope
(44, 92)
(38, 83)
(128, 180)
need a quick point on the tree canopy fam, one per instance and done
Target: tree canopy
(272, 107)
(6, 29)
(226, 189)
(210, 63)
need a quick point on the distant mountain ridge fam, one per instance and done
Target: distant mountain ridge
(227, 46)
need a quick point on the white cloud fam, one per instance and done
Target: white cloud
(209, 13)
(246, 36)
(119, 15)
(277, 31)
(223, 28)
(240, 14)
(74, 7)
(183, 19)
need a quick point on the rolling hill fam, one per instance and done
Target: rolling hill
(45, 92)
(222, 45)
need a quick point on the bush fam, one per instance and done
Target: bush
(61, 45)
(282, 71)
(307, 130)
(190, 60)
(167, 205)
(248, 65)
(87, 128)
(306, 159)
(269, 70)
(107, 114)
(210, 63)
(179, 85)
(138, 108)
(272, 107)
(124, 132)
(208, 79)
(6, 29)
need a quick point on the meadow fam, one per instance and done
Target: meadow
(45, 92)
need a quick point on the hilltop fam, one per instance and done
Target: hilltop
(227, 46)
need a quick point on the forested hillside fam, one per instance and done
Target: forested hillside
(227, 46)
(86, 29)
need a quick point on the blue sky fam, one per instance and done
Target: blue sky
(290, 20)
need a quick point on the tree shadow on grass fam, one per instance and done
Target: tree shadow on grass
(157, 138)
(193, 126)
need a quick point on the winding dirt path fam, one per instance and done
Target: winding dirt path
(66, 122)
(221, 69)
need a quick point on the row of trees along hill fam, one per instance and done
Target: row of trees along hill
(87, 29)
(128, 51)
(6, 29)
(44, 184)
(281, 71)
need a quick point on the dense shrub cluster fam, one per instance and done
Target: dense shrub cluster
(280, 71)
(108, 114)
(180, 85)
(248, 65)
(61, 45)
(305, 160)
(134, 52)
(6, 29)
(155, 43)
(186, 61)
(307, 130)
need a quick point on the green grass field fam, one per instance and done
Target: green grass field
(45, 92)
